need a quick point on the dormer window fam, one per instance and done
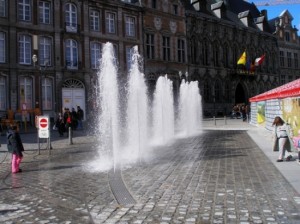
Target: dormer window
(286, 19)
(287, 36)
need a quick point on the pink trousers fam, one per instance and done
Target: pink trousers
(15, 163)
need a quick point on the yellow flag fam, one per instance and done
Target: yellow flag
(242, 60)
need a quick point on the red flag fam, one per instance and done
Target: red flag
(260, 60)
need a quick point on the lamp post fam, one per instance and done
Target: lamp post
(41, 68)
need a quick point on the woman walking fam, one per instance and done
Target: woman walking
(283, 135)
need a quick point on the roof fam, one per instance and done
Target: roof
(291, 89)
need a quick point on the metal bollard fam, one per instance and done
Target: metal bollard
(70, 136)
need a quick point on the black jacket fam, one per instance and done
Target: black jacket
(14, 143)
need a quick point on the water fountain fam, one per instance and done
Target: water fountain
(109, 125)
(163, 111)
(127, 142)
(190, 109)
(137, 111)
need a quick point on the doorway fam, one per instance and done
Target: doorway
(73, 95)
(240, 96)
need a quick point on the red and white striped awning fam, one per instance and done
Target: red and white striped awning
(291, 89)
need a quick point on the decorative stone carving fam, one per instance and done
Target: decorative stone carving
(165, 5)
(157, 23)
(173, 26)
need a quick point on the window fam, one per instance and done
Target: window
(180, 50)
(216, 55)
(94, 20)
(166, 49)
(217, 96)
(2, 48)
(205, 53)
(287, 36)
(3, 98)
(24, 49)
(110, 23)
(44, 12)
(2, 8)
(71, 17)
(150, 46)
(175, 9)
(290, 77)
(45, 49)
(225, 56)
(153, 4)
(47, 93)
(289, 59)
(24, 10)
(25, 92)
(296, 60)
(71, 54)
(206, 91)
(130, 26)
(129, 53)
(281, 55)
(95, 55)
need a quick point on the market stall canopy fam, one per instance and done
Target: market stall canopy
(291, 89)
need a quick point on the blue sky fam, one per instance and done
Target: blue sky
(275, 10)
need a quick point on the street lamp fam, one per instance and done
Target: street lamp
(34, 59)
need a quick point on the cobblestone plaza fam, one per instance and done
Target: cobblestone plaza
(220, 176)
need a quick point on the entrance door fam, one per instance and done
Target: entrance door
(240, 96)
(72, 96)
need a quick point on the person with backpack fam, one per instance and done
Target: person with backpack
(15, 146)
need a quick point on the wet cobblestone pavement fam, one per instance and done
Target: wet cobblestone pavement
(220, 176)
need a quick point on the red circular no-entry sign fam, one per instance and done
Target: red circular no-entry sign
(43, 123)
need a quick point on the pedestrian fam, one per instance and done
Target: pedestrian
(15, 146)
(282, 139)
(74, 119)
(80, 116)
(60, 125)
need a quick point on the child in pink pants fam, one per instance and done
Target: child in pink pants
(15, 146)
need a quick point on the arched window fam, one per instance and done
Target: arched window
(204, 52)
(216, 54)
(226, 56)
(24, 49)
(71, 17)
(95, 54)
(45, 49)
(194, 50)
(47, 93)
(217, 91)
(206, 91)
(26, 92)
(71, 54)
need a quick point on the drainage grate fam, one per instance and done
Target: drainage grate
(118, 188)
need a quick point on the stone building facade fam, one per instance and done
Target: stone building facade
(50, 51)
(217, 35)
(289, 46)
(165, 50)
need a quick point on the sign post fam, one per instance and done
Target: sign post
(43, 125)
